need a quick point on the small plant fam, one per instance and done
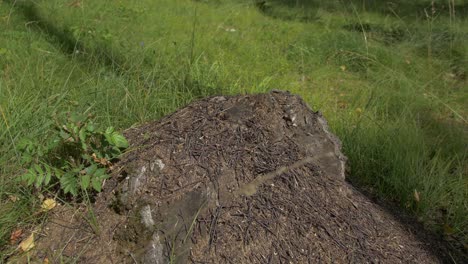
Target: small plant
(75, 157)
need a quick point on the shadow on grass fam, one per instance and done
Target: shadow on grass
(306, 10)
(102, 56)
(435, 41)
(439, 43)
(64, 39)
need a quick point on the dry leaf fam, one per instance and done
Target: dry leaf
(13, 198)
(15, 236)
(343, 68)
(416, 196)
(48, 204)
(46, 260)
(102, 161)
(28, 243)
(95, 158)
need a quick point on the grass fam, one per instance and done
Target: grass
(391, 80)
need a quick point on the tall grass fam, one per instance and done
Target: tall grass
(391, 80)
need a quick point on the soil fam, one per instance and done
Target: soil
(242, 179)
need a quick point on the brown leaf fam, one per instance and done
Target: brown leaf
(95, 158)
(15, 236)
(102, 161)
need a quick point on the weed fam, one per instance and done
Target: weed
(76, 155)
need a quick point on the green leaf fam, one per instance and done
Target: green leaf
(29, 177)
(22, 178)
(64, 135)
(24, 144)
(53, 143)
(91, 169)
(119, 140)
(85, 180)
(98, 178)
(82, 135)
(97, 184)
(113, 153)
(58, 173)
(74, 191)
(69, 184)
(39, 176)
(109, 130)
(75, 129)
(100, 172)
(48, 175)
(38, 168)
(26, 158)
(108, 138)
(115, 139)
(90, 127)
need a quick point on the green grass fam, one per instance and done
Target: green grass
(391, 80)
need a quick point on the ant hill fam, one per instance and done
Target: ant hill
(241, 179)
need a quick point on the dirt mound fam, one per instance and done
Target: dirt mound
(245, 179)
